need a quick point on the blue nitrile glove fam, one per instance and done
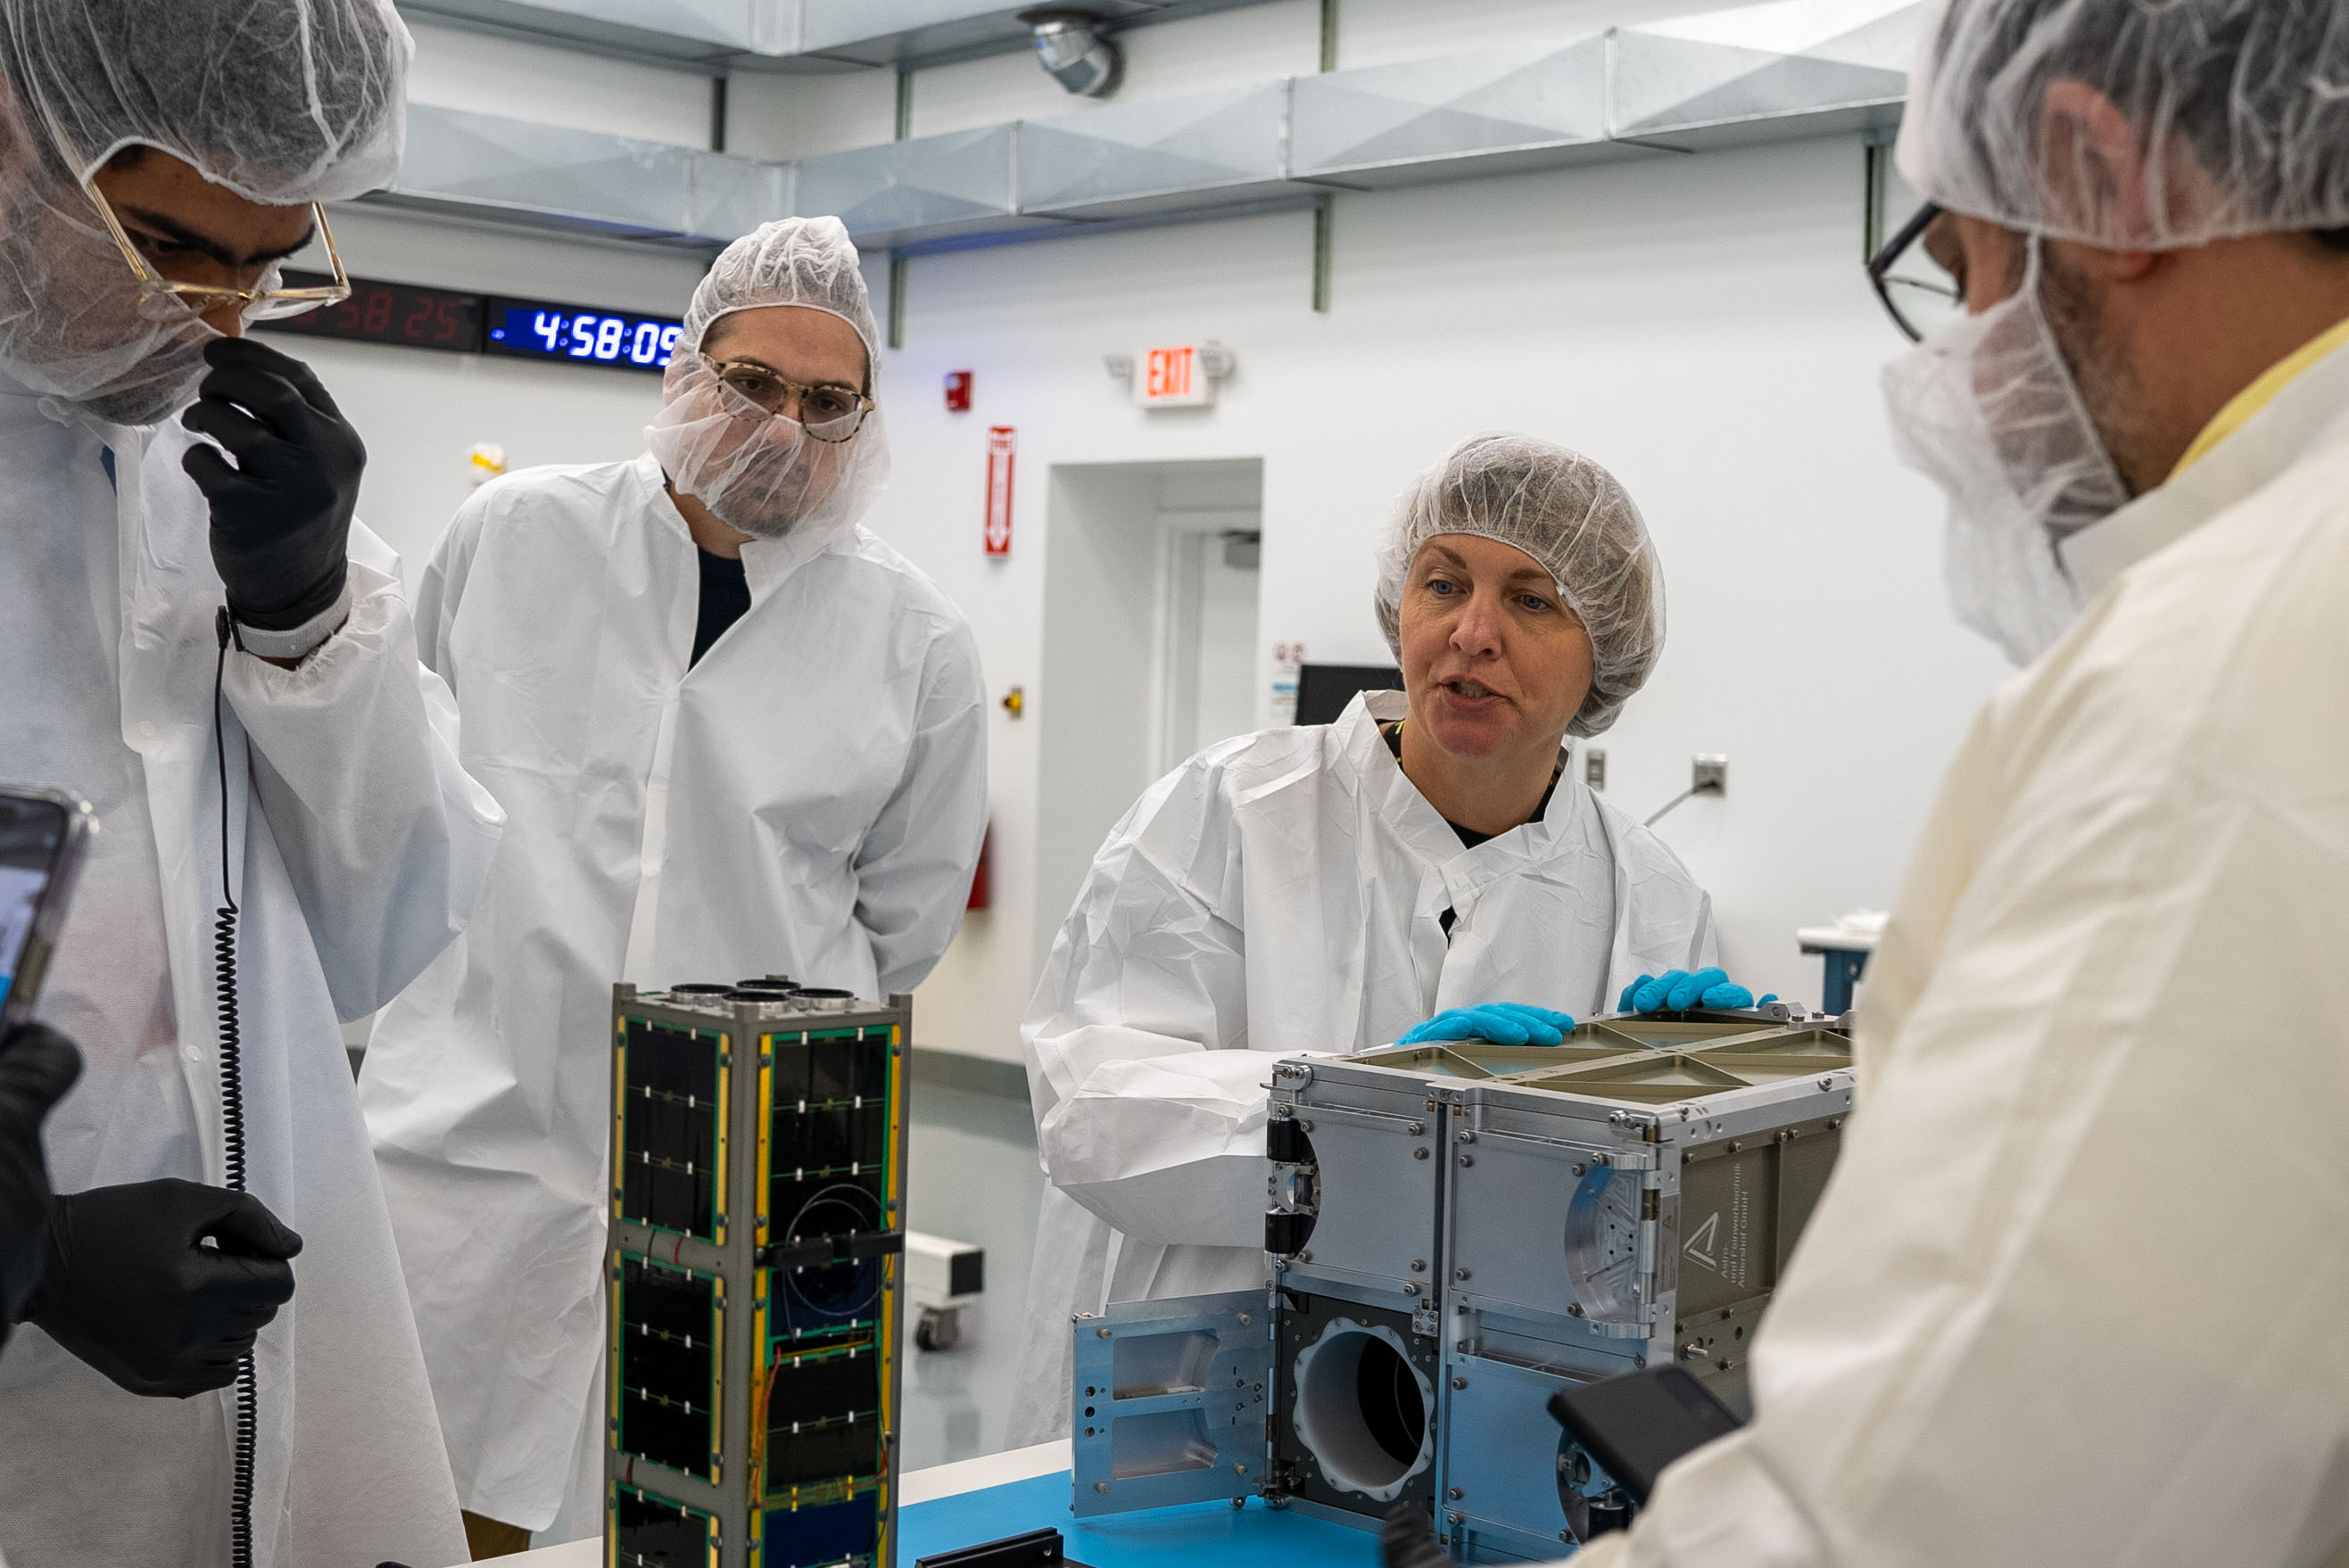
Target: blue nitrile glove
(1677, 991)
(1503, 1023)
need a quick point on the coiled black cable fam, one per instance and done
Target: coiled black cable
(232, 1092)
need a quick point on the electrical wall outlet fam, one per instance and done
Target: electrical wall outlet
(1710, 774)
(1594, 767)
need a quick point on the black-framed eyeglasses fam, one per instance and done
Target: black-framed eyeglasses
(826, 410)
(1918, 294)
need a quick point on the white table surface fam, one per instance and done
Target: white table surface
(1836, 938)
(920, 1486)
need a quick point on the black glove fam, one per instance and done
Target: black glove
(37, 1064)
(282, 515)
(130, 1291)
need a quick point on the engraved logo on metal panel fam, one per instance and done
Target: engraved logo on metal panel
(1700, 1246)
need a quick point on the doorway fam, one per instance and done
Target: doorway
(1150, 650)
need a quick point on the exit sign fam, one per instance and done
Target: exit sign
(1173, 378)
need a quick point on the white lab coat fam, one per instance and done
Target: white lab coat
(1281, 893)
(808, 801)
(356, 846)
(2073, 1295)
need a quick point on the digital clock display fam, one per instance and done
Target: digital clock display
(416, 317)
(534, 329)
(388, 312)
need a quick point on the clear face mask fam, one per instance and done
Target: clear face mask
(1986, 407)
(758, 472)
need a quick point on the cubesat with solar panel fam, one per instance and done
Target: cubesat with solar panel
(758, 1232)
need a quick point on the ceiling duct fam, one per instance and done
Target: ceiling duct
(929, 188)
(1469, 116)
(511, 170)
(1155, 157)
(1764, 72)
(1717, 79)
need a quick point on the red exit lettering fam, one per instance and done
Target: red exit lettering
(1168, 374)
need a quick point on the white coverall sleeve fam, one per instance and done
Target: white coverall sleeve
(914, 869)
(1149, 1103)
(2071, 1297)
(354, 756)
(441, 589)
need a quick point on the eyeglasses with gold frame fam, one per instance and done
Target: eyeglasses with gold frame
(258, 304)
(828, 410)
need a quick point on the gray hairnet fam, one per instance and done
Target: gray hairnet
(2239, 110)
(1573, 518)
(282, 101)
(762, 474)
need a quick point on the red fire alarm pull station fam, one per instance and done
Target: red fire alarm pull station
(1001, 447)
(958, 391)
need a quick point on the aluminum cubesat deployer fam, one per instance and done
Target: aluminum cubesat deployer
(1456, 1232)
(755, 1295)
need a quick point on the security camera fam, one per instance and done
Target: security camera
(1073, 52)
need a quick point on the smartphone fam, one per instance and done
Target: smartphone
(1634, 1426)
(44, 834)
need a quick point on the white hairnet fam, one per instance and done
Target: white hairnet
(762, 473)
(2236, 111)
(1573, 518)
(282, 101)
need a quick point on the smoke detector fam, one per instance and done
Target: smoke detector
(1073, 53)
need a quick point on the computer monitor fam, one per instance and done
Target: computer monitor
(1324, 690)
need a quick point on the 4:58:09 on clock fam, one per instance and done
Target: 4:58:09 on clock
(563, 331)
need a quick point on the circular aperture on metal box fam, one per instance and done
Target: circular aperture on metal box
(1361, 1409)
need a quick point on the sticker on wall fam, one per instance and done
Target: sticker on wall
(1287, 661)
(1000, 448)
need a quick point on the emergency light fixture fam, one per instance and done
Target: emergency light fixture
(1173, 375)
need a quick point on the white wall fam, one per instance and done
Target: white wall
(420, 413)
(455, 69)
(775, 116)
(1700, 324)
(1213, 687)
(1096, 651)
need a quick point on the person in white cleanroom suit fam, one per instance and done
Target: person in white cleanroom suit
(347, 836)
(2071, 1295)
(1423, 861)
(737, 735)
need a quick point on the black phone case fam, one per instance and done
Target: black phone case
(77, 822)
(1635, 1426)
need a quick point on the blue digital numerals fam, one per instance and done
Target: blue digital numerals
(605, 339)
